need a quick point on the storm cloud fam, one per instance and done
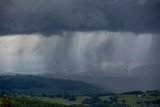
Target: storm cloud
(56, 16)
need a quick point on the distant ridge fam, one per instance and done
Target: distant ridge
(38, 85)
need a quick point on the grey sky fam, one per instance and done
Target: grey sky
(55, 16)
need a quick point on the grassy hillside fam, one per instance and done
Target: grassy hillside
(132, 100)
(146, 99)
(36, 85)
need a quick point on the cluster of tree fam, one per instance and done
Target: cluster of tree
(133, 92)
(154, 93)
(95, 101)
(67, 96)
(8, 101)
(63, 95)
(157, 101)
(150, 92)
(147, 102)
(92, 100)
(114, 99)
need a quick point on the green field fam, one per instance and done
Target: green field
(129, 99)
(63, 101)
(133, 99)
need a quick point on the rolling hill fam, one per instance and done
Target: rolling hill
(29, 84)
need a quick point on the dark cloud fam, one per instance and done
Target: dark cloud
(55, 16)
(47, 16)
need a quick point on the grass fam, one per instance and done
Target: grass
(63, 101)
(105, 97)
(129, 99)
(132, 100)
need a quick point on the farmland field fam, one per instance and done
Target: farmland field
(131, 100)
(63, 101)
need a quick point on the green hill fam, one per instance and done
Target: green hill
(38, 85)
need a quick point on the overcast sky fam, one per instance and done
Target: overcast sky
(56, 16)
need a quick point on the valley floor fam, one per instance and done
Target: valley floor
(119, 100)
